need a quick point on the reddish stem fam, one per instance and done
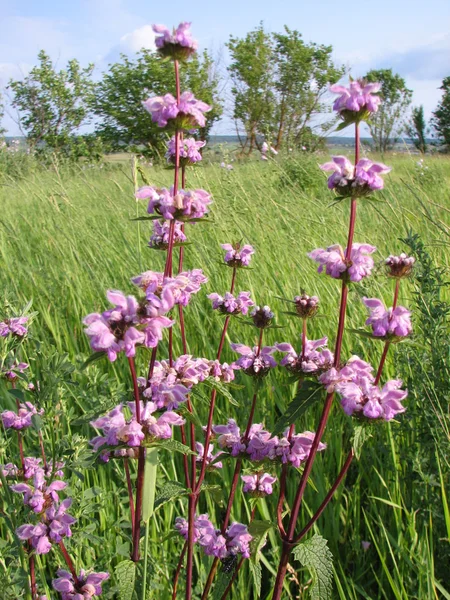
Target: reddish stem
(32, 568)
(130, 494)
(137, 399)
(178, 571)
(69, 562)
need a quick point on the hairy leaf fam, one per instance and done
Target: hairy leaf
(169, 491)
(125, 575)
(309, 392)
(361, 433)
(172, 445)
(315, 555)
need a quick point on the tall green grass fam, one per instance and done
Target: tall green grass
(68, 235)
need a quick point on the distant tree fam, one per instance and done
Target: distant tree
(416, 129)
(123, 122)
(53, 105)
(441, 120)
(389, 122)
(2, 114)
(278, 85)
(303, 73)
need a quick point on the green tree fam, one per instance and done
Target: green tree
(388, 123)
(441, 120)
(2, 114)
(53, 105)
(124, 124)
(252, 76)
(278, 85)
(416, 129)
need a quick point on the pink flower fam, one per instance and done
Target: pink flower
(188, 114)
(391, 322)
(314, 359)
(237, 256)
(160, 237)
(257, 484)
(85, 587)
(358, 97)
(252, 362)
(360, 265)
(185, 205)
(177, 44)
(23, 417)
(210, 456)
(229, 304)
(357, 181)
(399, 266)
(14, 326)
(188, 151)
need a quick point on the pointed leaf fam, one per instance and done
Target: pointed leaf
(92, 358)
(150, 471)
(315, 555)
(361, 433)
(125, 575)
(172, 445)
(309, 393)
(169, 491)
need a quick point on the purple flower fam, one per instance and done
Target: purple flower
(388, 323)
(12, 372)
(371, 402)
(262, 316)
(230, 437)
(333, 259)
(86, 586)
(177, 44)
(21, 419)
(221, 371)
(314, 359)
(159, 426)
(14, 326)
(188, 151)
(258, 485)
(185, 205)
(210, 456)
(260, 444)
(357, 181)
(39, 495)
(188, 114)
(160, 238)
(357, 98)
(233, 305)
(238, 540)
(237, 256)
(252, 362)
(306, 306)
(355, 370)
(399, 266)
(54, 527)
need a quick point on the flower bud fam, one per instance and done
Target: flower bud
(306, 306)
(399, 266)
(262, 317)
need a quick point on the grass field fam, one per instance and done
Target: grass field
(67, 236)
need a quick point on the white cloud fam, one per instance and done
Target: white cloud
(143, 37)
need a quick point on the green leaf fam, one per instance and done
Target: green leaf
(192, 417)
(221, 388)
(315, 555)
(169, 491)
(37, 422)
(361, 433)
(18, 395)
(215, 491)
(225, 576)
(309, 392)
(258, 530)
(172, 445)
(365, 334)
(93, 358)
(150, 218)
(255, 570)
(150, 471)
(125, 573)
(342, 126)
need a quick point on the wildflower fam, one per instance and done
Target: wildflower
(237, 256)
(296, 448)
(260, 443)
(333, 259)
(365, 545)
(370, 401)
(86, 586)
(159, 427)
(188, 114)
(184, 206)
(357, 181)
(23, 418)
(230, 437)
(262, 316)
(177, 44)
(258, 485)
(160, 238)
(231, 305)
(52, 529)
(393, 322)
(355, 370)
(211, 461)
(306, 306)
(12, 372)
(357, 102)
(238, 540)
(14, 327)
(313, 359)
(221, 371)
(39, 495)
(399, 266)
(188, 151)
(254, 362)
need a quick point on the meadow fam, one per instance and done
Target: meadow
(67, 235)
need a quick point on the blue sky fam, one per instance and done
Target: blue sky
(412, 36)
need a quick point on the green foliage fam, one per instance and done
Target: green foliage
(416, 129)
(278, 84)
(309, 393)
(441, 115)
(53, 105)
(387, 124)
(125, 573)
(315, 556)
(124, 124)
(2, 114)
(301, 170)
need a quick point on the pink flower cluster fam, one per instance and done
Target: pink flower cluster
(14, 326)
(188, 151)
(12, 371)
(40, 494)
(210, 456)
(23, 417)
(237, 256)
(160, 238)
(129, 324)
(359, 394)
(252, 362)
(183, 206)
(388, 323)
(312, 360)
(236, 539)
(163, 292)
(118, 430)
(181, 36)
(356, 181)
(261, 445)
(54, 526)
(187, 114)
(31, 466)
(84, 588)
(333, 260)
(229, 304)
(306, 306)
(357, 97)
(258, 485)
